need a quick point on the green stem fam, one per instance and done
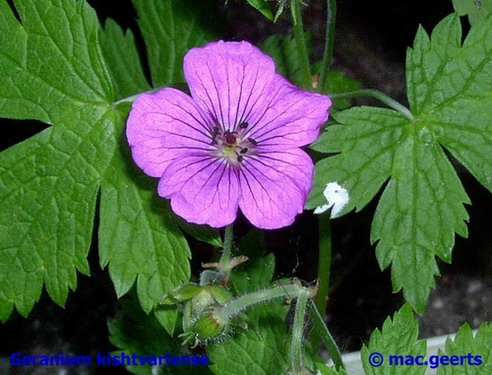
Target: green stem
(324, 265)
(300, 38)
(225, 257)
(326, 336)
(390, 102)
(331, 13)
(296, 355)
(241, 303)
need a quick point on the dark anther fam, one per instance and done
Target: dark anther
(240, 158)
(215, 133)
(252, 141)
(243, 125)
(243, 150)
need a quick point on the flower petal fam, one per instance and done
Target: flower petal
(291, 118)
(164, 125)
(274, 187)
(229, 79)
(203, 190)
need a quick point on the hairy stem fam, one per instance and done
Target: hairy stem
(326, 336)
(241, 303)
(225, 257)
(300, 39)
(331, 13)
(390, 102)
(296, 354)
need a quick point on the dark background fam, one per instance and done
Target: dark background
(371, 41)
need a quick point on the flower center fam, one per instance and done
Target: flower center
(233, 146)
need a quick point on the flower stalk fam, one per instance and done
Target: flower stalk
(324, 265)
(390, 102)
(301, 45)
(296, 352)
(245, 301)
(225, 258)
(326, 336)
(331, 13)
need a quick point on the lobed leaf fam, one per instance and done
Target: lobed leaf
(449, 90)
(121, 56)
(170, 28)
(138, 237)
(365, 141)
(398, 337)
(51, 70)
(476, 10)
(466, 343)
(50, 64)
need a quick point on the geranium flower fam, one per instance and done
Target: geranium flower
(234, 143)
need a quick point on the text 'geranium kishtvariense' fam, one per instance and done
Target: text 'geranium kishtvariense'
(234, 143)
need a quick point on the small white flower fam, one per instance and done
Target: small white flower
(337, 198)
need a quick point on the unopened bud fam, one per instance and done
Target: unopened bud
(208, 296)
(210, 325)
(183, 293)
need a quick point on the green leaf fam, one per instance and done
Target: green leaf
(476, 10)
(262, 7)
(398, 337)
(365, 142)
(449, 90)
(141, 334)
(51, 70)
(138, 236)
(324, 369)
(464, 344)
(49, 183)
(167, 316)
(338, 82)
(202, 233)
(122, 59)
(263, 347)
(258, 271)
(254, 274)
(170, 28)
(283, 51)
(51, 67)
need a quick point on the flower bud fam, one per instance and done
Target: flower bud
(183, 293)
(208, 296)
(210, 325)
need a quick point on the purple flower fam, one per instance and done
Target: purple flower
(234, 143)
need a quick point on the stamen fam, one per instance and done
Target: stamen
(240, 158)
(243, 125)
(244, 150)
(214, 135)
(253, 141)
